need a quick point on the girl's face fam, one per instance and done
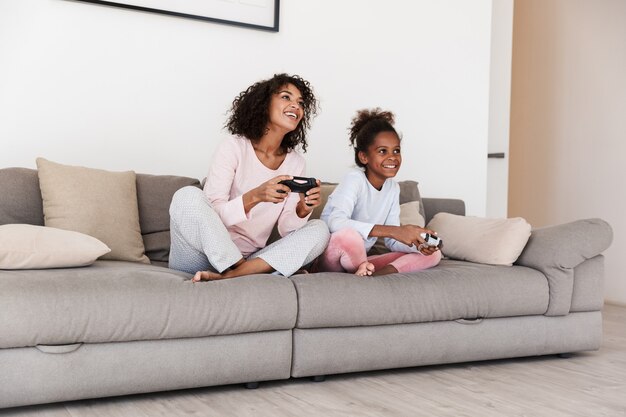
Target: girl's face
(286, 109)
(382, 158)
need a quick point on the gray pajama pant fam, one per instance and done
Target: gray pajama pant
(200, 241)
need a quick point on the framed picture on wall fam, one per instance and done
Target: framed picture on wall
(253, 14)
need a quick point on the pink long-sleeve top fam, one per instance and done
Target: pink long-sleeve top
(236, 170)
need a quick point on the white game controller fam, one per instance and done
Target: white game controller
(431, 240)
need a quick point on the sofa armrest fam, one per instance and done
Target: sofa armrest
(556, 250)
(433, 206)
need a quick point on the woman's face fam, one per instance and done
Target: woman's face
(286, 109)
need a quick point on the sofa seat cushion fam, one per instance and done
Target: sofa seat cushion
(450, 291)
(115, 301)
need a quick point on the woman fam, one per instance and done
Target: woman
(222, 232)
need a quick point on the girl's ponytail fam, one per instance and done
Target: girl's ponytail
(365, 126)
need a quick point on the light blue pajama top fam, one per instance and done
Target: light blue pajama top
(357, 204)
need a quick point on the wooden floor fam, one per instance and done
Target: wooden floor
(587, 384)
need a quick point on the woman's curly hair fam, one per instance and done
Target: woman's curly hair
(365, 126)
(249, 114)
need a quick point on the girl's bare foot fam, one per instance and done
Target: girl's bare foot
(365, 269)
(206, 276)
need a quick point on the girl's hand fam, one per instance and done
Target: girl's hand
(422, 247)
(411, 235)
(408, 234)
(270, 191)
(308, 202)
(427, 250)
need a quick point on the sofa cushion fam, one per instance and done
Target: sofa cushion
(154, 195)
(327, 189)
(113, 301)
(99, 203)
(432, 206)
(25, 246)
(491, 241)
(410, 214)
(24, 204)
(409, 191)
(452, 290)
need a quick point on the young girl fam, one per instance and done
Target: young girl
(365, 206)
(222, 232)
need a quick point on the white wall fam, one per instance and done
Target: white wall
(568, 119)
(118, 89)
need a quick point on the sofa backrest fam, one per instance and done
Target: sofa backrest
(154, 195)
(20, 197)
(20, 202)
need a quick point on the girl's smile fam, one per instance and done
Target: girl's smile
(382, 158)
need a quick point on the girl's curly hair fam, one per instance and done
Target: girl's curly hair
(365, 126)
(249, 114)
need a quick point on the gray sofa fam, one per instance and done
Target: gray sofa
(116, 328)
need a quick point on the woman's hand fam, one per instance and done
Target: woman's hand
(310, 200)
(270, 191)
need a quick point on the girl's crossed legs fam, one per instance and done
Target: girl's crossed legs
(346, 253)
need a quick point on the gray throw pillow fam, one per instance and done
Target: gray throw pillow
(154, 196)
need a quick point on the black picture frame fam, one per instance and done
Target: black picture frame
(271, 26)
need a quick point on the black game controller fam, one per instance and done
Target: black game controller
(299, 184)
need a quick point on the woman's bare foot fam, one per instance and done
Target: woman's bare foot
(241, 268)
(365, 269)
(206, 276)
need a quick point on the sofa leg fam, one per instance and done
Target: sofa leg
(565, 355)
(318, 378)
(252, 385)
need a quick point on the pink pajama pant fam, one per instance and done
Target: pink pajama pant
(346, 251)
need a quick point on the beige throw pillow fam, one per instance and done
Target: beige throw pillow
(99, 203)
(327, 189)
(410, 214)
(24, 246)
(481, 240)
